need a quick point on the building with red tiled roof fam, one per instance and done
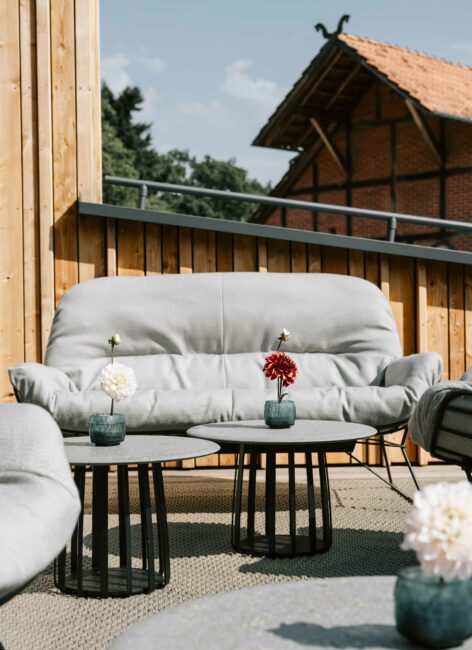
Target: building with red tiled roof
(375, 126)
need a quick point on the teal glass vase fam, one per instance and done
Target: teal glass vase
(107, 430)
(279, 415)
(431, 612)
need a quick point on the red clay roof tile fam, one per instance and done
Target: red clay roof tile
(438, 85)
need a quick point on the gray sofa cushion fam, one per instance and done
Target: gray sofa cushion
(39, 503)
(197, 344)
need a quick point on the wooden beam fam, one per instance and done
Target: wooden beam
(45, 167)
(322, 114)
(331, 146)
(32, 303)
(343, 85)
(425, 131)
(279, 124)
(11, 208)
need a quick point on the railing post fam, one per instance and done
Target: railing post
(143, 193)
(392, 229)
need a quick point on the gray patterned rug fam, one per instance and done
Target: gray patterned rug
(368, 521)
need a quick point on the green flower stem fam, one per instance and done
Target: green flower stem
(112, 360)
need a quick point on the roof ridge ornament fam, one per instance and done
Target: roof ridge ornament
(321, 28)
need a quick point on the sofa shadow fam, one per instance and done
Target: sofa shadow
(355, 552)
(185, 540)
(342, 636)
(185, 497)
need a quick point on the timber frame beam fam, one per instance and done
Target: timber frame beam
(425, 131)
(330, 146)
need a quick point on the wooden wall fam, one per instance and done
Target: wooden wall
(50, 153)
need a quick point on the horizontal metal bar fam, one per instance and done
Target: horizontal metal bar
(291, 203)
(274, 232)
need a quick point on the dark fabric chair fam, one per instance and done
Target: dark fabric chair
(442, 422)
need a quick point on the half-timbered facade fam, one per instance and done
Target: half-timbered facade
(376, 126)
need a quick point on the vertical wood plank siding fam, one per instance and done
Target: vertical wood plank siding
(50, 154)
(12, 325)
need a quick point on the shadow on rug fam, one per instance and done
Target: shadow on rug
(368, 520)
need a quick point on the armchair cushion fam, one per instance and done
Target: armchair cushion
(39, 503)
(425, 419)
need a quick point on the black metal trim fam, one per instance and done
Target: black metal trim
(287, 234)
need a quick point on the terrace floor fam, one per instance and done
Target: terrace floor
(368, 523)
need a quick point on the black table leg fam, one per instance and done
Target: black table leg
(124, 525)
(146, 525)
(270, 508)
(162, 531)
(270, 543)
(102, 580)
(237, 498)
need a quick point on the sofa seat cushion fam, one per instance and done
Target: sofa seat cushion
(389, 398)
(176, 410)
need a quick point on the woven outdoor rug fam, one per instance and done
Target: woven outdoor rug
(368, 520)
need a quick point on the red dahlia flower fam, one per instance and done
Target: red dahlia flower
(280, 366)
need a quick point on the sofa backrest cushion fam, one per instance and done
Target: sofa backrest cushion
(213, 329)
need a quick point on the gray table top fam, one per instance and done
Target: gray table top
(256, 432)
(324, 613)
(137, 449)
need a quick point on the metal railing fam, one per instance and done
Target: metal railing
(453, 228)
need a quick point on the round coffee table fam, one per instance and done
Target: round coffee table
(143, 451)
(305, 437)
(325, 613)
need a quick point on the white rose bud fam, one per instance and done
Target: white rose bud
(285, 335)
(115, 339)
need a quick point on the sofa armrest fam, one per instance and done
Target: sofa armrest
(417, 372)
(36, 383)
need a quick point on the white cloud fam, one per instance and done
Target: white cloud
(151, 63)
(114, 72)
(148, 112)
(212, 113)
(263, 93)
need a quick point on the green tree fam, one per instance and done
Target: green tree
(128, 151)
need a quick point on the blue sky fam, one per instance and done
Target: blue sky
(213, 71)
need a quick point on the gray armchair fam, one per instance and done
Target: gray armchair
(442, 422)
(39, 503)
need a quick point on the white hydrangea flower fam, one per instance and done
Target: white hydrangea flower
(118, 381)
(439, 530)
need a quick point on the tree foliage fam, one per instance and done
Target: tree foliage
(128, 151)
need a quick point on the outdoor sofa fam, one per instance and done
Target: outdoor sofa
(197, 343)
(39, 503)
